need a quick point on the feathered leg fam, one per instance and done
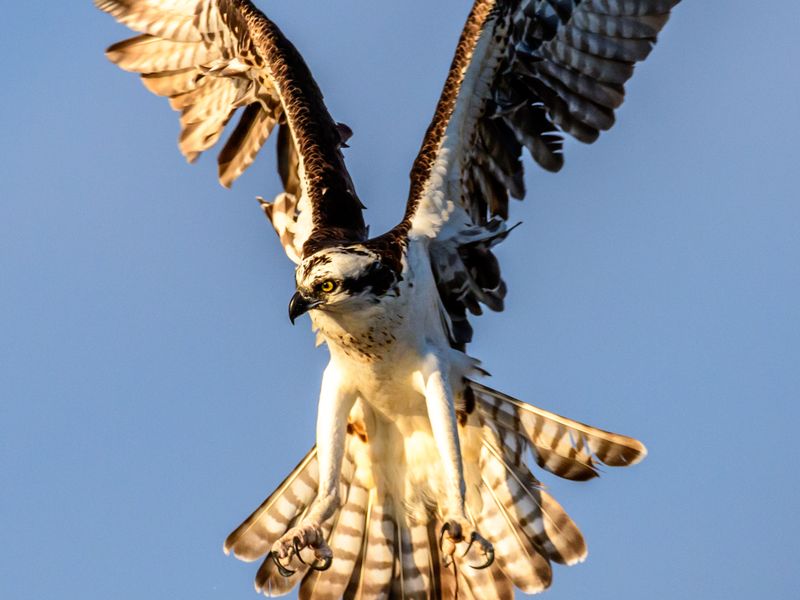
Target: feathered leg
(335, 402)
(432, 382)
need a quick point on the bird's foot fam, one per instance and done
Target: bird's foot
(457, 531)
(297, 539)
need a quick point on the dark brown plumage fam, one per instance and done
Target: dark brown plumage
(213, 58)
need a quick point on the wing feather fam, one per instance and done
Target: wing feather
(243, 145)
(524, 73)
(214, 57)
(168, 19)
(149, 54)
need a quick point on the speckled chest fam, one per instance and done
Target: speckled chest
(376, 341)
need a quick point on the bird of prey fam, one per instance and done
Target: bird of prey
(417, 486)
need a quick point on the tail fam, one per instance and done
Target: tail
(382, 551)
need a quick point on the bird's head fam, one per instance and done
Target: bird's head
(347, 278)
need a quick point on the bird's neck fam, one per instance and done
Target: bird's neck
(368, 334)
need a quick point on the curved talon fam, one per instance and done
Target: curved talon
(296, 546)
(318, 565)
(324, 566)
(448, 528)
(489, 559)
(446, 558)
(472, 539)
(445, 529)
(281, 569)
(488, 551)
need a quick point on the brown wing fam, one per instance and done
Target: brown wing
(524, 72)
(212, 57)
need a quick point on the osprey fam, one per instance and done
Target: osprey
(417, 485)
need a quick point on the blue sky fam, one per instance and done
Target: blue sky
(153, 391)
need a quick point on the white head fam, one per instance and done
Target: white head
(345, 278)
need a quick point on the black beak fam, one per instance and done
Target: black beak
(299, 305)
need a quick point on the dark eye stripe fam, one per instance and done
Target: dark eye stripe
(377, 278)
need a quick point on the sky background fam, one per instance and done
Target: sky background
(153, 392)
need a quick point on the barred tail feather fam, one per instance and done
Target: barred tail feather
(534, 512)
(347, 538)
(564, 447)
(363, 534)
(413, 563)
(253, 538)
(528, 528)
(383, 551)
(485, 583)
(270, 582)
(514, 551)
(443, 578)
(490, 582)
(372, 579)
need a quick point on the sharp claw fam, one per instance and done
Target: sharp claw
(445, 529)
(324, 566)
(448, 528)
(472, 539)
(446, 559)
(281, 569)
(489, 559)
(296, 546)
(487, 549)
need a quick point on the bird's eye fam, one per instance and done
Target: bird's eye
(327, 286)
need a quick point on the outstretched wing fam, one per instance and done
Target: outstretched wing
(525, 71)
(212, 57)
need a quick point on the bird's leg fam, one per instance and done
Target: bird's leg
(335, 402)
(457, 527)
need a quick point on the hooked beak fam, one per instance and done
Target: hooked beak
(300, 305)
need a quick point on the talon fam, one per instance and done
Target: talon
(489, 560)
(296, 546)
(487, 548)
(445, 529)
(472, 538)
(323, 566)
(281, 569)
(454, 535)
(453, 530)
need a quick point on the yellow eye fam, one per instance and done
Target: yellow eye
(327, 286)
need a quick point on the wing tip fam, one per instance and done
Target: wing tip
(118, 52)
(105, 5)
(641, 453)
(227, 175)
(633, 452)
(266, 206)
(113, 54)
(584, 554)
(550, 165)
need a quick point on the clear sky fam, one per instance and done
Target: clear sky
(154, 392)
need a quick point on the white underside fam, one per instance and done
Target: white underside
(402, 457)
